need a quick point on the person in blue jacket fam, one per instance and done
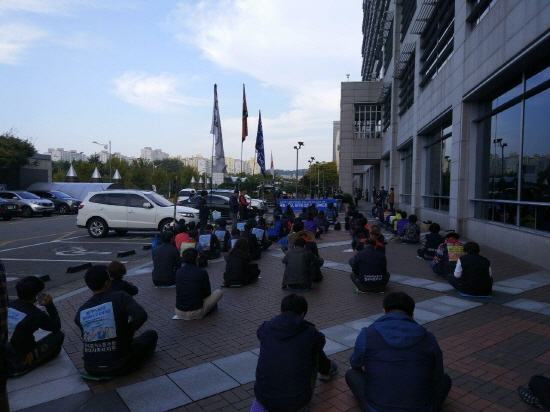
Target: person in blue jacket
(397, 364)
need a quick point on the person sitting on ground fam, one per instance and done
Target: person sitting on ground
(431, 242)
(286, 225)
(291, 356)
(322, 221)
(311, 225)
(376, 234)
(194, 298)
(277, 211)
(472, 274)
(312, 247)
(369, 269)
(117, 352)
(24, 319)
(277, 231)
(117, 270)
(211, 247)
(392, 227)
(289, 212)
(223, 235)
(238, 268)
(400, 224)
(287, 243)
(331, 214)
(386, 214)
(235, 235)
(537, 392)
(300, 267)
(303, 215)
(361, 234)
(253, 248)
(388, 220)
(411, 231)
(395, 345)
(312, 208)
(447, 255)
(166, 260)
(260, 231)
(182, 236)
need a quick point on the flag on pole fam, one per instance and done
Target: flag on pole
(216, 130)
(245, 116)
(272, 167)
(260, 145)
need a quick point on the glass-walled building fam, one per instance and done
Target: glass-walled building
(453, 112)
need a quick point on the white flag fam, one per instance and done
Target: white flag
(216, 130)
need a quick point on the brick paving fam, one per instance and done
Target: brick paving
(488, 350)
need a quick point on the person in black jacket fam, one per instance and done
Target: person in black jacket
(108, 322)
(166, 260)
(291, 355)
(369, 269)
(116, 271)
(234, 208)
(253, 248)
(204, 212)
(431, 242)
(24, 318)
(194, 298)
(472, 274)
(238, 269)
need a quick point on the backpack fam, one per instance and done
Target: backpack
(410, 232)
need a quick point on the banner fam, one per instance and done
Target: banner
(216, 130)
(298, 204)
(245, 116)
(260, 145)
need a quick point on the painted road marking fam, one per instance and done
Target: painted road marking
(63, 260)
(79, 251)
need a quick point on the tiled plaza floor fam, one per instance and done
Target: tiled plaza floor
(490, 346)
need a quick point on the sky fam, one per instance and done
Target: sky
(142, 73)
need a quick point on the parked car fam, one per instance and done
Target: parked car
(9, 209)
(30, 203)
(124, 210)
(63, 202)
(215, 202)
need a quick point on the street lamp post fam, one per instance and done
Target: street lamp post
(318, 187)
(300, 144)
(105, 145)
(310, 162)
(499, 143)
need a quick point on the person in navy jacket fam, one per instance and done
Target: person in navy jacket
(397, 364)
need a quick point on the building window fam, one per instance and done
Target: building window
(406, 175)
(479, 9)
(368, 121)
(438, 167)
(406, 87)
(386, 111)
(437, 40)
(515, 141)
(408, 8)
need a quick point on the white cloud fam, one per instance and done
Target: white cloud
(61, 7)
(15, 39)
(299, 47)
(153, 93)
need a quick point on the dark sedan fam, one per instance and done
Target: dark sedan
(63, 202)
(9, 209)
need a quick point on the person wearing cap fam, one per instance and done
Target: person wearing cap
(234, 207)
(447, 255)
(24, 319)
(222, 234)
(204, 212)
(300, 266)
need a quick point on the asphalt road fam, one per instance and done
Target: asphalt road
(50, 245)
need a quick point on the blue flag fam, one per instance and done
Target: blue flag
(260, 145)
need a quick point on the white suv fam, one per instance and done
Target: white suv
(123, 210)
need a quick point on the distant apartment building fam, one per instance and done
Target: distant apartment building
(150, 154)
(452, 111)
(66, 155)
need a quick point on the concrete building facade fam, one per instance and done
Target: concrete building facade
(452, 113)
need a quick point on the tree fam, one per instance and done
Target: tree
(170, 165)
(14, 154)
(324, 172)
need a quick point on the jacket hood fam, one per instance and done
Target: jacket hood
(399, 330)
(287, 325)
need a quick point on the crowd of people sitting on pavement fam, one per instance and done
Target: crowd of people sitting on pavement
(109, 319)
